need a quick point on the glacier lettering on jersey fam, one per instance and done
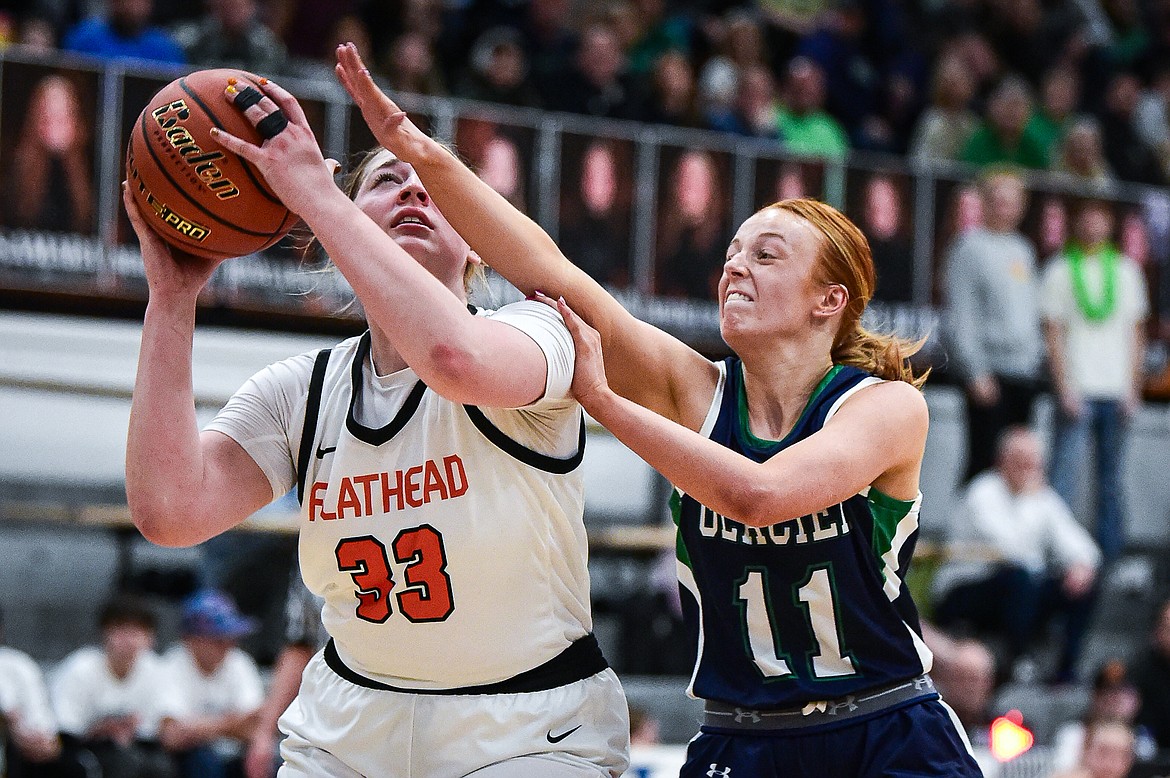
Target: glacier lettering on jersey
(823, 525)
(375, 493)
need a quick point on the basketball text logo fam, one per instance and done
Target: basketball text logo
(170, 118)
(179, 224)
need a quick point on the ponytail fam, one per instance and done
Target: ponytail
(886, 356)
(845, 258)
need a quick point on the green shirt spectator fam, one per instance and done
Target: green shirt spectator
(812, 134)
(1005, 137)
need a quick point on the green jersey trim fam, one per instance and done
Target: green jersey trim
(888, 514)
(770, 446)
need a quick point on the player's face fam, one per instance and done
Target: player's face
(768, 286)
(393, 196)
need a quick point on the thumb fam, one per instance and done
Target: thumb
(333, 165)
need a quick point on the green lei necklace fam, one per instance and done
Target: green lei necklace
(1100, 309)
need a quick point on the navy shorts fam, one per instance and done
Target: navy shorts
(920, 739)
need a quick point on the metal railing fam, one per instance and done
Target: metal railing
(622, 198)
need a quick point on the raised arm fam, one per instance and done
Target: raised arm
(467, 359)
(876, 438)
(182, 487)
(645, 364)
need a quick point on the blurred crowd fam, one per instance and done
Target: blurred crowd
(1081, 88)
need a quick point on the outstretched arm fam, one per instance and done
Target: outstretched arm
(182, 487)
(876, 438)
(645, 364)
(465, 358)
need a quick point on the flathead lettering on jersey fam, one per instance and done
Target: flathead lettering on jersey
(823, 525)
(377, 493)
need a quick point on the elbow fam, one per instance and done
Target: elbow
(752, 505)
(452, 368)
(158, 524)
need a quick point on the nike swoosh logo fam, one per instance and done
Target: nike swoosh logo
(321, 452)
(558, 738)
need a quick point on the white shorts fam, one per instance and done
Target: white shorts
(340, 729)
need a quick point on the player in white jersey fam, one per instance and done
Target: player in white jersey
(437, 459)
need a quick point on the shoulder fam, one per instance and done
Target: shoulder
(82, 663)
(893, 408)
(526, 313)
(14, 661)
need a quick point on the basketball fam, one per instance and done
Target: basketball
(196, 194)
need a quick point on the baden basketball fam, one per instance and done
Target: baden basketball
(196, 194)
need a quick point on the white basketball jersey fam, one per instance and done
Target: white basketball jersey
(447, 553)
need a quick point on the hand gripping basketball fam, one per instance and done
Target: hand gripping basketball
(272, 124)
(288, 156)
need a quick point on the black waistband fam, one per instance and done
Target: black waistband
(580, 660)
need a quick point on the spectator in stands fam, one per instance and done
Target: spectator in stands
(1151, 676)
(1080, 156)
(411, 68)
(806, 127)
(672, 92)
(1109, 752)
(117, 699)
(498, 71)
(304, 636)
(991, 317)
(1004, 136)
(1060, 94)
(232, 35)
(1094, 305)
(51, 184)
(1114, 698)
(33, 748)
(549, 41)
(125, 32)
(658, 29)
(756, 106)
(1151, 118)
(1015, 541)
(597, 83)
(219, 683)
(1128, 155)
(948, 122)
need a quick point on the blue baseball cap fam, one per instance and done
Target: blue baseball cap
(212, 613)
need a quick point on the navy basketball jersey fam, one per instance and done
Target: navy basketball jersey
(806, 609)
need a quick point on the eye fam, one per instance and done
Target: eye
(384, 177)
(765, 255)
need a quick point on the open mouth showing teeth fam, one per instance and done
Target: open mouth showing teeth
(737, 296)
(411, 220)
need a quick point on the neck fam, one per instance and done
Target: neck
(386, 358)
(119, 668)
(1094, 248)
(778, 385)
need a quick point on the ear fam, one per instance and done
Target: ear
(833, 301)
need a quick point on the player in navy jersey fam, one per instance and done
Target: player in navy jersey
(796, 466)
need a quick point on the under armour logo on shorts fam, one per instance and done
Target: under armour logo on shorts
(750, 715)
(847, 704)
(923, 682)
(716, 771)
